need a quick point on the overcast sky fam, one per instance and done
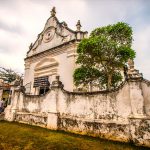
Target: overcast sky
(22, 20)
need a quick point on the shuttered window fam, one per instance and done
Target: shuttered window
(41, 82)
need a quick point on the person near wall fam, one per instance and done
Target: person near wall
(5, 101)
(1, 106)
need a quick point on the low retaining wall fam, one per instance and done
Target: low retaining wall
(136, 131)
(31, 118)
(107, 130)
(120, 115)
(140, 131)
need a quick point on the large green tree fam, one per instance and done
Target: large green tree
(103, 55)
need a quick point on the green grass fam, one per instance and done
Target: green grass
(17, 136)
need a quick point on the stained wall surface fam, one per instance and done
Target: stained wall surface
(121, 115)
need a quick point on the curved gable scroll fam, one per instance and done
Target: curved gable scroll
(46, 67)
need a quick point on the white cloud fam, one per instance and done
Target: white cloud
(21, 21)
(142, 47)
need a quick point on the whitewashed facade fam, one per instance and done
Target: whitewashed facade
(52, 54)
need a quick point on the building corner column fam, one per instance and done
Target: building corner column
(54, 115)
(136, 94)
(11, 110)
(138, 120)
(137, 99)
(53, 120)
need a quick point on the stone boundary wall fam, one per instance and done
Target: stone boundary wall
(119, 115)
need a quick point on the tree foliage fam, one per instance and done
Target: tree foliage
(8, 75)
(103, 55)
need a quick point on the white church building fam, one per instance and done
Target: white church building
(122, 114)
(52, 54)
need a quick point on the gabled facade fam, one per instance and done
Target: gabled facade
(52, 54)
(122, 114)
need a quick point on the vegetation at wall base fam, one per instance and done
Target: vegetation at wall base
(103, 56)
(17, 136)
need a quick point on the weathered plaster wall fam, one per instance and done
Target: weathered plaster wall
(120, 115)
(103, 106)
(65, 57)
(146, 94)
(33, 119)
(38, 104)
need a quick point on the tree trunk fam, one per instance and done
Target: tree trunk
(109, 81)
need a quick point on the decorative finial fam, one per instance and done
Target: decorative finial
(78, 25)
(30, 47)
(64, 24)
(132, 73)
(131, 64)
(53, 12)
(57, 78)
(57, 83)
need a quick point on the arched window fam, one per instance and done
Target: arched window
(43, 70)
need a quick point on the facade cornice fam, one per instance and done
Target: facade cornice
(55, 51)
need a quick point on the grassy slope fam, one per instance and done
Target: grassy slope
(15, 136)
